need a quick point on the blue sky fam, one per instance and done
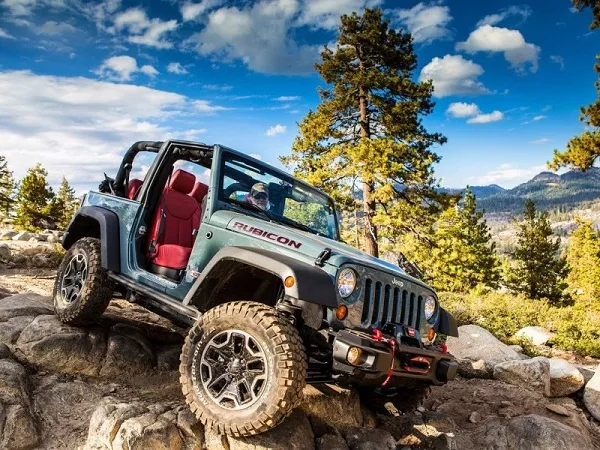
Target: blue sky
(80, 80)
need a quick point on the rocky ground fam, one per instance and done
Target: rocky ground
(115, 386)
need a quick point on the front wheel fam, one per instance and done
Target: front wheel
(243, 368)
(82, 289)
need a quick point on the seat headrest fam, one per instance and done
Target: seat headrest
(199, 192)
(134, 187)
(182, 181)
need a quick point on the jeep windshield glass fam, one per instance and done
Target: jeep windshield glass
(284, 199)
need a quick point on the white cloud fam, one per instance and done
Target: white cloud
(19, 7)
(218, 87)
(558, 60)
(206, 107)
(191, 135)
(176, 68)
(491, 39)
(287, 98)
(259, 34)
(194, 11)
(508, 175)
(144, 31)
(540, 141)
(453, 75)
(540, 117)
(426, 23)
(121, 68)
(494, 116)
(325, 14)
(5, 35)
(462, 110)
(276, 129)
(493, 19)
(54, 28)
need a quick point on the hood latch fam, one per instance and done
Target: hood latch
(323, 257)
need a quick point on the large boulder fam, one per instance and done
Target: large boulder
(478, 351)
(369, 439)
(128, 352)
(565, 379)
(533, 374)
(531, 432)
(8, 234)
(537, 335)
(24, 305)
(591, 395)
(330, 406)
(4, 252)
(22, 236)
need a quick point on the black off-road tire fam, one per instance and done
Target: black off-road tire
(96, 291)
(286, 368)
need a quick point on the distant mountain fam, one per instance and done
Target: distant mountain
(548, 190)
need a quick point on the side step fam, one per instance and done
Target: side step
(184, 314)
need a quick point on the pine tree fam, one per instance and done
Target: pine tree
(64, 204)
(583, 150)
(583, 257)
(367, 133)
(537, 270)
(34, 200)
(7, 187)
(463, 255)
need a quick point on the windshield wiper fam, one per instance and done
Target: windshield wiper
(299, 225)
(252, 207)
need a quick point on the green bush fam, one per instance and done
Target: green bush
(577, 327)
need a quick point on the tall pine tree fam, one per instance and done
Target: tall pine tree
(583, 257)
(7, 187)
(537, 270)
(64, 204)
(34, 200)
(367, 135)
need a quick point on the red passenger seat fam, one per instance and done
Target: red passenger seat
(174, 227)
(199, 192)
(134, 187)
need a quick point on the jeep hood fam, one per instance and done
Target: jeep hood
(308, 244)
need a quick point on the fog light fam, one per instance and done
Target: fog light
(341, 312)
(289, 282)
(354, 355)
(431, 335)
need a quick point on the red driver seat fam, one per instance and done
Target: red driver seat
(134, 187)
(174, 227)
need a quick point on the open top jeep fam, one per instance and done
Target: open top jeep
(250, 258)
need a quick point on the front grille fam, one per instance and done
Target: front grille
(384, 303)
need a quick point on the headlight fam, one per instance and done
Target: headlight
(430, 306)
(346, 282)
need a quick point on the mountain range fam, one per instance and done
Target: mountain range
(548, 190)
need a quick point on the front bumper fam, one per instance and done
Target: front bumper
(410, 363)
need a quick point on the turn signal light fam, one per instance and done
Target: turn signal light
(289, 282)
(354, 355)
(431, 334)
(341, 312)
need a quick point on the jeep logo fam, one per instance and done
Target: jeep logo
(266, 235)
(397, 282)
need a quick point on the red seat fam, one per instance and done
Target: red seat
(199, 192)
(175, 225)
(134, 187)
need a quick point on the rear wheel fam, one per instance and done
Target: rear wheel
(243, 368)
(82, 289)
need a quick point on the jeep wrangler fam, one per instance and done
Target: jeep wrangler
(250, 259)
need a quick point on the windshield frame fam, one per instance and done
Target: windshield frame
(223, 203)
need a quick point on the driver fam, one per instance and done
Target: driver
(259, 196)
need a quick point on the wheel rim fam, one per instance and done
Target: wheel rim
(233, 369)
(74, 278)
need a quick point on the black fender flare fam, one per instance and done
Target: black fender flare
(447, 324)
(311, 283)
(84, 224)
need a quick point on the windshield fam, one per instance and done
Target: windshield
(254, 187)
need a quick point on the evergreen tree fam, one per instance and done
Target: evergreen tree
(64, 204)
(367, 133)
(7, 187)
(583, 257)
(583, 150)
(463, 254)
(537, 270)
(34, 200)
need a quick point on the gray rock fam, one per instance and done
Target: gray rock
(40, 260)
(331, 406)
(8, 234)
(128, 352)
(445, 441)
(475, 417)
(5, 352)
(517, 348)
(475, 369)
(24, 305)
(565, 379)
(558, 409)
(587, 372)
(331, 442)
(537, 335)
(52, 239)
(167, 359)
(11, 329)
(22, 236)
(474, 344)
(532, 374)
(5, 252)
(38, 238)
(369, 439)
(591, 395)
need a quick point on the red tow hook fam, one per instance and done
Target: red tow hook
(377, 335)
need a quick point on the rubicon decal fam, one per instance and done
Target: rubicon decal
(239, 226)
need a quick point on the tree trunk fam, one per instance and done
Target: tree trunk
(368, 185)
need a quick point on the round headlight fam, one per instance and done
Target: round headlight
(346, 282)
(430, 306)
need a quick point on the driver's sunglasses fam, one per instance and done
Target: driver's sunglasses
(260, 196)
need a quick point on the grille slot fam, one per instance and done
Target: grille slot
(383, 303)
